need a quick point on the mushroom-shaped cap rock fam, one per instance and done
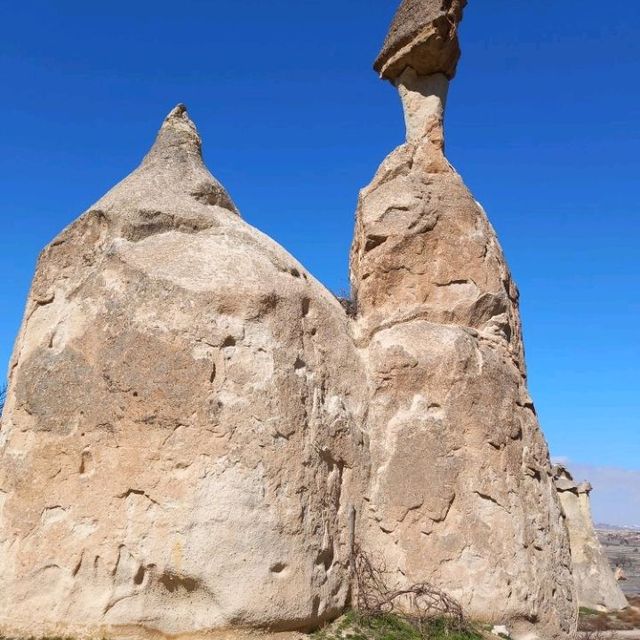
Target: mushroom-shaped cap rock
(424, 36)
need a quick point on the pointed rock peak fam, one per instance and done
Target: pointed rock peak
(177, 136)
(172, 178)
(179, 111)
(424, 36)
(179, 118)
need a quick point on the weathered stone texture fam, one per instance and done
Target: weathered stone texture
(180, 447)
(423, 36)
(461, 492)
(596, 583)
(193, 421)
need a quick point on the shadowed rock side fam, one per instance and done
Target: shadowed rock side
(461, 492)
(596, 585)
(180, 445)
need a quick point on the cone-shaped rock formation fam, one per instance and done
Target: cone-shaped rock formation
(461, 491)
(596, 585)
(178, 445)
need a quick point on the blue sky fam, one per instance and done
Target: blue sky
(543, 122)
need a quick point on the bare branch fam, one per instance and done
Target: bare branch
(418, 604)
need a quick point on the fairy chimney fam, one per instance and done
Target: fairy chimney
(596, 583)
(197, 436)
(461, 493)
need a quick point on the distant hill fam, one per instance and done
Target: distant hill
(615, 527)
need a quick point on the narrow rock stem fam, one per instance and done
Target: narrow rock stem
(424, 100)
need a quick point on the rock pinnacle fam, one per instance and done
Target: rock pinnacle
(178, 135)
(170, 175)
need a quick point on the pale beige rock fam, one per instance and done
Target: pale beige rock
(195, 431)
(181, 445)
(596, 584)
(461, 492)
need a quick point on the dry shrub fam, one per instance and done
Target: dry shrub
(595, 622)
(419, 604)
(348, 302)
(631, 616)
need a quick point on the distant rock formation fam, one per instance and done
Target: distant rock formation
(596, 584)
(620, 575)
(197, 433)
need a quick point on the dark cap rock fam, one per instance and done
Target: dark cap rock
(424, 36)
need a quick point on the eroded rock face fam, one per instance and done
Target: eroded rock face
(596, 583)
(181, 444)
(461, 491)
(195, 432)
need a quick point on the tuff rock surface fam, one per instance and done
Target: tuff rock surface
(180, 444)
(596, 584)
(461, 492)
(423, 36)
(196, 434)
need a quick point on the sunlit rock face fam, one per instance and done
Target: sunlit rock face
(181, 446)
(196, 435)
(461, 492)
(596, 585)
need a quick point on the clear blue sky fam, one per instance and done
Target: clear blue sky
(543, 123)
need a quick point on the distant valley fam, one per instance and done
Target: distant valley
(622, 547)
